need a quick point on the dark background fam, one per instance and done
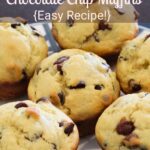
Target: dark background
(28, 10)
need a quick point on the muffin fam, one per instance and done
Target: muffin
(125, 124)
(22, 48)
(25, 125)
(102, 36)
(133, 66)
(79, 83)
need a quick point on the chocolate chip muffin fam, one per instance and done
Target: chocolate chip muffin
(125, 124)
(133, 67)
(79, 83)
(25, 125)
(100, 36)
(21, 49)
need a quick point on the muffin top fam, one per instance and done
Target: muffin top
(133, 66)
(25, 125)
(21, 48)
(103, 36)
(79, 83)
(125, 124)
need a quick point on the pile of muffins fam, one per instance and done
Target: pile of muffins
(75, 92)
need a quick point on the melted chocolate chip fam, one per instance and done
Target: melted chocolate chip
(20, 105)
(70, 22)
(125, 127)
(120, 11)
(134, 86)
(136, 15)
(123, 58)
(99, 87)
(148, 36)
(43, 99)
(59, 63)
(80, 85)
(61, 97)
(69, 129)
(104, 26)
(54, 146)
(15, 25)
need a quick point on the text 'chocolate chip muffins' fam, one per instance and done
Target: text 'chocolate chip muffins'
(101, 36)
(79, 83)
(125, 124)
(25, 125)
(133, 66)
(21, 49)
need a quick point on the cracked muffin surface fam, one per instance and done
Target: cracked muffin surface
(125, 124)
(133, 66)
(22, 48)
(101, 37)
(79, 83)
(25, 125)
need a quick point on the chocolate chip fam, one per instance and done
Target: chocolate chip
(120, 11)
(134, 86)
(15, 25)
(123, 58)
(105, 144)
(70, 22)
(35, 31)
(37, 34)
(35, 137)
(46, 69)
(59, 63)
(148, 36)
(80, 85)
(54, 146)
(20, 105)
(25, 76)
(99, 87)
(43, 99)
(95, 35)
(125, 127)
(61, 124)
(104, 26)
(61, 60)
(38, 70)
(1, 135)
(61, 97)
(69, 129)
(136, 13)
